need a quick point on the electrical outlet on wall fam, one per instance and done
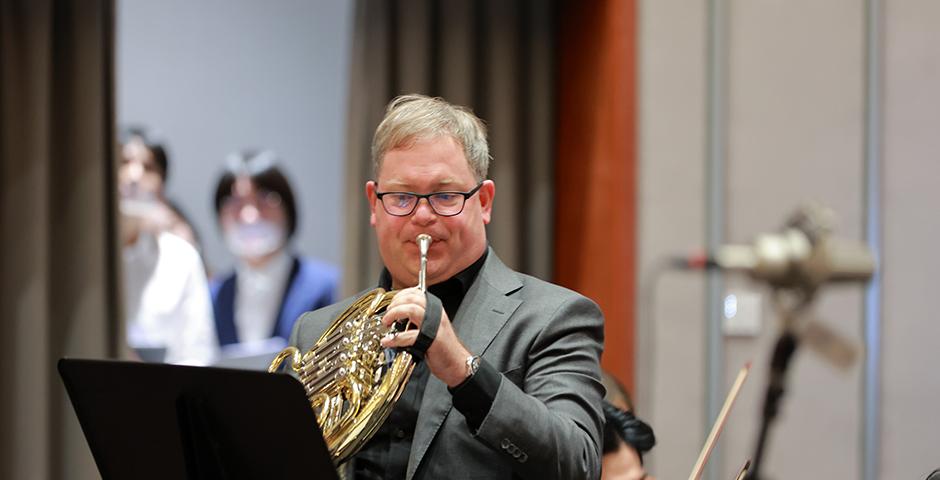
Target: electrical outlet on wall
(742, 314)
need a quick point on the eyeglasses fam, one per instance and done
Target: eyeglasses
(445, 204)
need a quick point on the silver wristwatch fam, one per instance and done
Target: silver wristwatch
(473, 364)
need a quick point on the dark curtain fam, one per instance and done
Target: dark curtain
(57, 273)
(494, 56)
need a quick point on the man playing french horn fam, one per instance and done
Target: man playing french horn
(507, 382)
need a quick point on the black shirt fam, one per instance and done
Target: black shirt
(385, 456)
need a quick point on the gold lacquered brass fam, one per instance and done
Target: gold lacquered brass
(352, 382)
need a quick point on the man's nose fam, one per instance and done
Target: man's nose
(424, 213)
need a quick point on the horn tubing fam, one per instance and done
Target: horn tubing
(353, 395)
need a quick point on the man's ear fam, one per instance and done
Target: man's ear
(487, 192)
(372, 199)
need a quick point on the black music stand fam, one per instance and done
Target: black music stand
(145, 420)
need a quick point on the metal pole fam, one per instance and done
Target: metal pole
(714, 216)
(871, 439)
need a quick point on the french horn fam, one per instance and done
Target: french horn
(351, 381)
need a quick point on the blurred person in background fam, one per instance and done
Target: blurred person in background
(271, 285)
(147, 167)
(626, 438)
(166, 294)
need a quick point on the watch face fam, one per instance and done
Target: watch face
(473, 364)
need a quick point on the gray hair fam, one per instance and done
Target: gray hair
(409, 118)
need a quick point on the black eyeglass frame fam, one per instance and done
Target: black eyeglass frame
(427, 196)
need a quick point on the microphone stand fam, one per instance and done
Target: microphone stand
(786, 346)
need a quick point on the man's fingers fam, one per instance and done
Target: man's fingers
(404, 313)
(400, 340)
(406, 296)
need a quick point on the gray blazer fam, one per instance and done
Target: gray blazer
(546, 421)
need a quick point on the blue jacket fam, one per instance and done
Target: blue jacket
(312, 285)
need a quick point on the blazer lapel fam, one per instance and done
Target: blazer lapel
(224, 310)
(291, 303)
(481, 316)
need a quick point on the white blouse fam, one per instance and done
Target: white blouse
(167, 301)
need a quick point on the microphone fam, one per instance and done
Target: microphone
(804, 254)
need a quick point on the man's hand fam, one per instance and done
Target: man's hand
(446, 357)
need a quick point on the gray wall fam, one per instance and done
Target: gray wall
(795, 133)
(911, 385)
(215, 76)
